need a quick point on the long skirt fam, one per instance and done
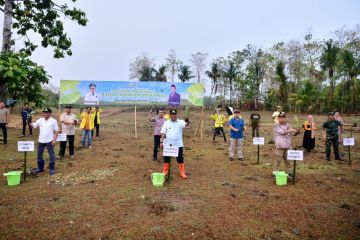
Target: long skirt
(308, 142)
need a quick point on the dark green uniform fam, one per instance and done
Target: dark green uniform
(332, 137)
(254, 120)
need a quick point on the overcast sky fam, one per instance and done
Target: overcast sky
(119, 31)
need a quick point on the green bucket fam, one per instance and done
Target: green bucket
(158, 179)
(281, 178)
(13, 178)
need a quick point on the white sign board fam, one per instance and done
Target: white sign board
(349, 142)
(258, 141)
(26, 146)
(170, 151)
(61, 138)
(295, 155)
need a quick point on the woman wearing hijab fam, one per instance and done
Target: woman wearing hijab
(309, 134)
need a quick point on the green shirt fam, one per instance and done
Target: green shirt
(332, 129)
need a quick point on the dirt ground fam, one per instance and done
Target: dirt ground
(106, 192)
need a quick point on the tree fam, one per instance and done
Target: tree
(328, 62)
(23, 78)
(231, 72)
(281, 79)
(172, 64)
(214, 75)
(351, 67)
(147, 74)
(42, 17)
(199, 62)
(142, 66)
(185, 73)
(306, 96)
(160, 75)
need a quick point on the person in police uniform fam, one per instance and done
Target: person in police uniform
(91, 98)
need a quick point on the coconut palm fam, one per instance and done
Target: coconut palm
(351, 69)
(185, 73)
(305, 97)
(160, 75)
(231, 72)
(328, 61)
(281, 79)
(147, 74)
(214, 75)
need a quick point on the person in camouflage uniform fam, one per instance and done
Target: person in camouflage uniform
(330, 132)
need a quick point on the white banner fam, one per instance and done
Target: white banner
(26, 146)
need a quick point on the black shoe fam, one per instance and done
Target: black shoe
(52, 172)
(37, 170)
(290, 175)
(339, 158)
(154, 158)
(327, 158)
(231, 159)
(240, 159)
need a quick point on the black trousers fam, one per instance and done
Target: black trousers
(71, 139)
(156, 145)
(217, 131)
(97, 127)
(4, 131)
(179, 159)
(24, 127)
(255, 131)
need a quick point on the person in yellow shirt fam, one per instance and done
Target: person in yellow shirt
(87, 125)
(97, 120)
(219, 120)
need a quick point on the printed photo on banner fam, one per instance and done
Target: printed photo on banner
(126, 92)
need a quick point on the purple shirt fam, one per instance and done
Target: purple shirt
(282, 139)
(159, 122)
(174, 99)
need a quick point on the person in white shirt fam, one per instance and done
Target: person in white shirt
(47, 138)
(171, 135)
(68, 124)
(91, 98)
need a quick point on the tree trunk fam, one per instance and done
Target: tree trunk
(354, 93)
(230, 90)
(6, 44)
(212, 90)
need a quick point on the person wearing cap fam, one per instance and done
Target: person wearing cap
(97, 120)
(158, 121)
(237, 126)
(171, 135)
(87, 125)
(91, 98)
(219, 120)
(174, 97)
(68, 124)
(330, 134)
(275, 118)
(283, 132)
(49, 130)
(4, 120)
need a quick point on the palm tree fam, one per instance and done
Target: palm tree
(147, 74)
(214, 74)
(328, 63)
(306, 96)
(231, 73)
(185, 73)
(160, 75)
(352, 69)
(281, 79)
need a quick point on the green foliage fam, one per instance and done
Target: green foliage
(45, 18)
(22, 77)
(185, 73)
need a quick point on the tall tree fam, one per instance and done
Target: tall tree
(281, 78)
(328, 62)
(160, 75)
(231, 72)
(199, 62)
(351, 68)
(214, 75)
(172, 64)
(185, 73)
(142, 66)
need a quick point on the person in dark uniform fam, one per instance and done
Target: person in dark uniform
(330, 134)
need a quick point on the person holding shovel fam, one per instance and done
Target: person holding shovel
(283, 132)
(171, 135)
(47, 138)
(158, 121)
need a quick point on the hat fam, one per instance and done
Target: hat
(68, 106)
(88, 107)
(236, 111)
(331, 114)
(282, 114)
(279, 107)
(173, 111)
(47, 110)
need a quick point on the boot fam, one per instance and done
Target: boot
(166, 168)
(182, 171)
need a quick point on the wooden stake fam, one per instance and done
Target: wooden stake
(135, 124)
(202, 123)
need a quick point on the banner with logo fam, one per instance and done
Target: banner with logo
(126, 92)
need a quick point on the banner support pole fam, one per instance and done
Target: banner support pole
(135, 124)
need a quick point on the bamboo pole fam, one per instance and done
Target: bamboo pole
(202, 123)
(135, 124)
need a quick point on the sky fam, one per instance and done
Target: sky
(119, 31)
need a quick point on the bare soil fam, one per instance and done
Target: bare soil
(106, 192)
